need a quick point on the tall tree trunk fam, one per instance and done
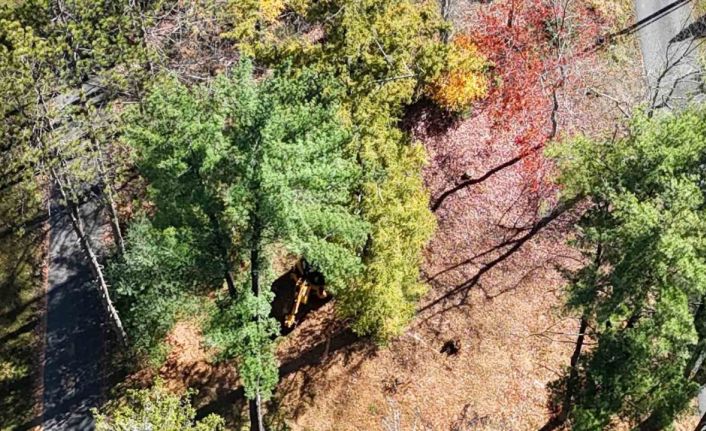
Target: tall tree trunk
(700, 352)
(47, 126)
(255, 404)
(231, 284)
(104, 180)
(511, 14)
(114, 220)
(255, 408)
(445, 7)
(223, 249)
(96, 270)
(559, 420)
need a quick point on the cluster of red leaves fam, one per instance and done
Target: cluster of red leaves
(532, 45)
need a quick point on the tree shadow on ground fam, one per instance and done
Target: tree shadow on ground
(487, 260)
(229, 403)
(344, 349)
(466, 181)
(345, 341)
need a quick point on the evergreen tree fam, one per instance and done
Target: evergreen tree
(383, 53)
(36, 148)
(642, 297)
(252, 168)
(49, 50)
(162, 276)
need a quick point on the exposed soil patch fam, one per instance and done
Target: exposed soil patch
(188, 364)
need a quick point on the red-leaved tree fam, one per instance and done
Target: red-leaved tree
(533, 45)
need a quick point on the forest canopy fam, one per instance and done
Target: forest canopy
(228, 148)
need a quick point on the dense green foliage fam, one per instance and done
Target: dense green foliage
(46, 50)
(302, 156)
(44, 53)
(643, 295)
(248, 168)
(89, 38)
(153, 409)
(307, 160)
(157, 281)
(391, 49)
(25, 73)
(383, 52)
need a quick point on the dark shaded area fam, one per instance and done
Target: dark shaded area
(27, 327)
(695, 30)
(432, 119)
(72, 380)
(76, 329)
(284, 289)
(312, 357)
(451, 347)
(20, 277)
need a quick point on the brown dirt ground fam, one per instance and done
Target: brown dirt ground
(513, 337)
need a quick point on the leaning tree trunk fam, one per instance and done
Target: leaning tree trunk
(108, 197)
(559, 420)
(96, 270)
(47, 126)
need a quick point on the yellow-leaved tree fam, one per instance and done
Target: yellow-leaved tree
(465, 78)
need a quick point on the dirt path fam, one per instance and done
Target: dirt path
(76, 328)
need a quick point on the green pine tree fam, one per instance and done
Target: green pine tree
(253, 168)
(642, 298)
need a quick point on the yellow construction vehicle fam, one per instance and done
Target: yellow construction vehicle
(306, 280)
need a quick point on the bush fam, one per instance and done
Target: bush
(154, 409)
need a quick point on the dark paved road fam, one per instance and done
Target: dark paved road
(76, 329)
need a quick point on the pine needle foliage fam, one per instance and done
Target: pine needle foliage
(249, 166)
(643, 295)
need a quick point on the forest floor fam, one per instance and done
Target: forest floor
(503, 308)
(496, 288)
(21, 328)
